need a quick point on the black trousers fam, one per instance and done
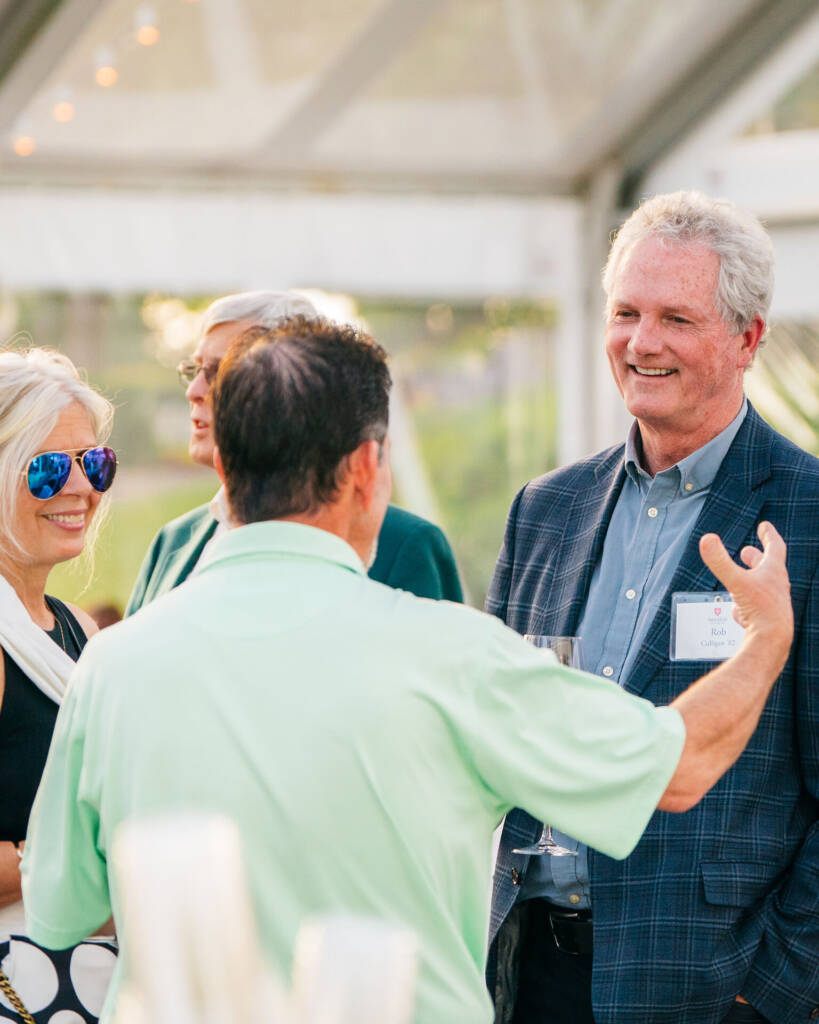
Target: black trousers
(555, 987)
(743, 1013)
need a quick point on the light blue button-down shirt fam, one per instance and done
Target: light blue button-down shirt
(649, 528)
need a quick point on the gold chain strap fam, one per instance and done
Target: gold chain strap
(14, 999)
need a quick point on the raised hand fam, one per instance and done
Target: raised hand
(761, 593)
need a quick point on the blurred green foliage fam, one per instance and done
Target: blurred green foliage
(122, 543)
(475, 380)
(797, 109)
(784, 382)
(466, 453)
(477, 384)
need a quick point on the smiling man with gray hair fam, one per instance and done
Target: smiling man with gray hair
(412, 554)
(713, 916)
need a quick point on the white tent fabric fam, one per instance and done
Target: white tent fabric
(404, 147)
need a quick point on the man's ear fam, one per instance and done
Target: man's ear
(363, 469)
(751, 339)
(217, 464)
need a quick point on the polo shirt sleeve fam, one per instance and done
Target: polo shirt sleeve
(571, 748)
(65, 878)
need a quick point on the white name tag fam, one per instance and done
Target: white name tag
(703, 627)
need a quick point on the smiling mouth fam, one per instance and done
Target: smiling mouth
(67, 518)
(651, 371)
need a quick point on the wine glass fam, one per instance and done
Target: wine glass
(349, 969)
(568, 651)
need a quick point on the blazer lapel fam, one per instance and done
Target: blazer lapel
(586, 522)
(731, 510)
(182, 562)
(188, 556)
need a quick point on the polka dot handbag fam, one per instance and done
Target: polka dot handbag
(65, 986)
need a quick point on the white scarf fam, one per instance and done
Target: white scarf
(45, 663)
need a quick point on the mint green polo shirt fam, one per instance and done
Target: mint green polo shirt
(366, 742)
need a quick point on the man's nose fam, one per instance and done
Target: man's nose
(645, 337)
(197, 390)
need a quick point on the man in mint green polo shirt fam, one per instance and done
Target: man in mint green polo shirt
(366, 742)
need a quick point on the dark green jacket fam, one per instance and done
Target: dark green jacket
(413, 555)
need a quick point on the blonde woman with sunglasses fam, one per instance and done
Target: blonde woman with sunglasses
(54, 470)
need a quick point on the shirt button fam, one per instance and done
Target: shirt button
(631, 594)
(689, 487)
(608, 671)
(652, 513)
(515, 876)
(574, 898)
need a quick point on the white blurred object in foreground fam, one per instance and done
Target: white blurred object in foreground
(188, 926)
(354, 970)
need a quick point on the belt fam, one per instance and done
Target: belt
(572, 930)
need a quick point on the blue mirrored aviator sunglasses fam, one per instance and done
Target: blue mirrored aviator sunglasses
(48, 472)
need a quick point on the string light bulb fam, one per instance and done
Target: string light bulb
(62, 105)
(147, 32)
(63, 112)
(106, 73)
(106, 76)
(24, 145)
(147, 35)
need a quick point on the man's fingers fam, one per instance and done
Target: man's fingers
(751, 556)
(760, 592)
(726, 570)
(772, 543)
(719, 561)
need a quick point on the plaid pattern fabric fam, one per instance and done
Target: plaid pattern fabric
(724, 898)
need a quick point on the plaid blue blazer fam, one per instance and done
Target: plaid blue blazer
(724, 898)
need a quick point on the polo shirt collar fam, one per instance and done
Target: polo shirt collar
(282, 539)
(696, 471)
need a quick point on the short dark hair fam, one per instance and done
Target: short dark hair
(290, 402)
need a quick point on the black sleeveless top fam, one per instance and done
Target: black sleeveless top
(27, 719)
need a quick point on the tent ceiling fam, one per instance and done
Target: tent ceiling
(466, 95)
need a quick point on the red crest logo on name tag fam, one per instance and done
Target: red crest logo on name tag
(717, 610)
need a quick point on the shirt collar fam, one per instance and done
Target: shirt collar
(219, 508)
(696, 471)
(276, 538)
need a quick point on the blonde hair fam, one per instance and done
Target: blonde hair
(36, 385)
